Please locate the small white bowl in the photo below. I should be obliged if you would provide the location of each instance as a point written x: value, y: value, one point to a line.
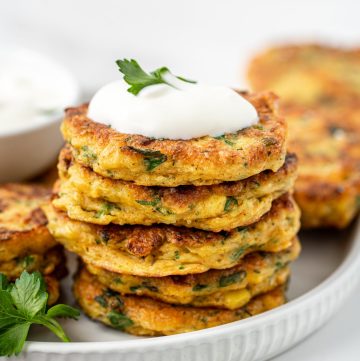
x: 30, y: 147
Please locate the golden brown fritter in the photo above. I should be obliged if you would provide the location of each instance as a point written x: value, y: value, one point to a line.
x: 146, y: 316
x: 23, y: 228
x: 320, y: 92
x: 163, y: 250
x: 50, y: 264
x: 308, y: 75
x: 163, y: 162
x: 328, y: 146
x: 88, y: 197
x: 256, y: 273
x: 45, y: 263
x: 25, y: 242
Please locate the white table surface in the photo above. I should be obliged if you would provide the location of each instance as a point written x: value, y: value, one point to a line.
x: 205, y: 40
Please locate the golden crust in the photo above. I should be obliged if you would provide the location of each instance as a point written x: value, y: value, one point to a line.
x: 164, y: 162
x: 328, y: 146
x: 145, y: 316
x: 22, y: 223
x: 162, y: 250
x: 231, y: 288
x: 89, y: 197
x: 25, y: 242
x: 308, y: 75
x: 324, y: 129
x: 45, y: 263
x: 50, y: 264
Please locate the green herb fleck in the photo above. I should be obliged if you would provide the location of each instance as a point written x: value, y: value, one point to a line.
x: 225, y: 140
x: 87, y: 153
x: 101, y: 301
x: 145, y: 285
x: 105, y: 209
x: 164, y: 211
x: 177, y: 255
x: 115, y: 295
x: 152, y: 158
x: 134, y: 288
x: 242, y: 229
x: 239, y: 252
x: 231, y: 203
x: 152, y: 203
x: 138, y: 79
x: 156, y: 203
x: 237, y: 277
x: 258, y: 126
x: 199, y: 287
x: 117, y: 280
x: 150, y: 287
x: 119, y: 320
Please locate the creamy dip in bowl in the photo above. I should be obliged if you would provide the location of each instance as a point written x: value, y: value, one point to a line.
x: 34, y: 90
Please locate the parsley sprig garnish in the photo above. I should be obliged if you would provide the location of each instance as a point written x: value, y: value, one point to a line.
x: 22, y: 304
x: 138, y: 79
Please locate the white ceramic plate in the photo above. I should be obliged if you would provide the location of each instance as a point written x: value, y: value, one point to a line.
x: 323, y: 277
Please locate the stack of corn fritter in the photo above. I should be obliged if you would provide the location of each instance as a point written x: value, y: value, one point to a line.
x: 25, y: 242
x: 177, y: 235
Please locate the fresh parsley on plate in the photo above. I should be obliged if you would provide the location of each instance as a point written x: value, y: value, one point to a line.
x: 22, y: 304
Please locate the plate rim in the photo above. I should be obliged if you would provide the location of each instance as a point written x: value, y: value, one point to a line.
x: 348, y: 267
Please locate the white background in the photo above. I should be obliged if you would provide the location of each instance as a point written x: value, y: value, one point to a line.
x: 204, y: 40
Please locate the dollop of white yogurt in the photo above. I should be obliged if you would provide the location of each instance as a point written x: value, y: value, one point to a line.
x: 182, y: 112
x: 33, y: 90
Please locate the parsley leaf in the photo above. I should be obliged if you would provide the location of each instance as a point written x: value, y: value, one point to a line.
x: 3, y: 282
x: 138, y: 79
x: 12, y: 339
x: 22, y: 304
x: 61, y: 310
x: 28, y: 294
